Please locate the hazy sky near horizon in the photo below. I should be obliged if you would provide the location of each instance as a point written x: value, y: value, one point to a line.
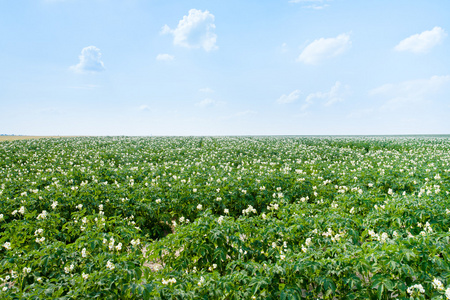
x: 257, y: 67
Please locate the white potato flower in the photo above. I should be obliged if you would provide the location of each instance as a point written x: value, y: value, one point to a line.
x: 119, y: 247
x: 135, y: 242
x: 110, y: 265
x: 42, y: 215
x: 437, y: 284
x: 447, y: 293
x: 54, y: 204
x: 201, y: 281
x: 416, y: 289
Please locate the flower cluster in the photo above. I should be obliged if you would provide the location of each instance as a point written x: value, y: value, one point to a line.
x: 308, y: 243
x: 135, y: 242
x: 69, y: 269
x: 379, y: 237
x: 211, y: 268
x: 416, y: 290
x: 100, y: 209
x: 426, y: 229
x: 54, y: 204
x: 437, y: 284
x: 111, y: 243
x: 169, y: 281
x: 201, y: 281
x: 42, y: 215
x: 7, y: 245
x: 183, y: 220
x: 110, y: 265
x: 248, y: 210
x: 273, y: 206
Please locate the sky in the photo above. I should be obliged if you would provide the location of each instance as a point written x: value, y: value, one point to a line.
x: 254, y: 67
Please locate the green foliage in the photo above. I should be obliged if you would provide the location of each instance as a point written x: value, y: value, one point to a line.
x: 225, y: 218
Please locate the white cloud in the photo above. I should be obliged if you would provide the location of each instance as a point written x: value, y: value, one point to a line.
x: 206, y: 90
x: 422, y: 42
x: 334, y: 95
x: 90, y: 61
x: 325, y: 48
x: 289, y: 98
x: 166, y: 29
x: 196, y: 30
x: 411, y: 92
x: 315, y: 4
x: 165, y: 57
x: 144, y: 107
x: 208, y: 102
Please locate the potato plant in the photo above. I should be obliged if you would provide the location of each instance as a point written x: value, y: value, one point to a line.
x: 225, y: 218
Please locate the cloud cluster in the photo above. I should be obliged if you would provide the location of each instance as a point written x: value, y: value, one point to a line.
x: 284, y: 99
x: 90, y: 61
x: 144, y: 107
x: 411, y: 92
x: 196, y: 30
x: 165, y: 57
x: 335, y: 94
x: 422, y: 42
x: 208, y: 102
x: 325, y: 48
x: 314, y: 4
x: 206, y: 90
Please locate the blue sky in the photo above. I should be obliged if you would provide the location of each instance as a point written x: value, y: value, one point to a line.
x: 258, y: 67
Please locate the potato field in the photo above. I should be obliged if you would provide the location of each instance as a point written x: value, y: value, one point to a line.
x: 225, y: 218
